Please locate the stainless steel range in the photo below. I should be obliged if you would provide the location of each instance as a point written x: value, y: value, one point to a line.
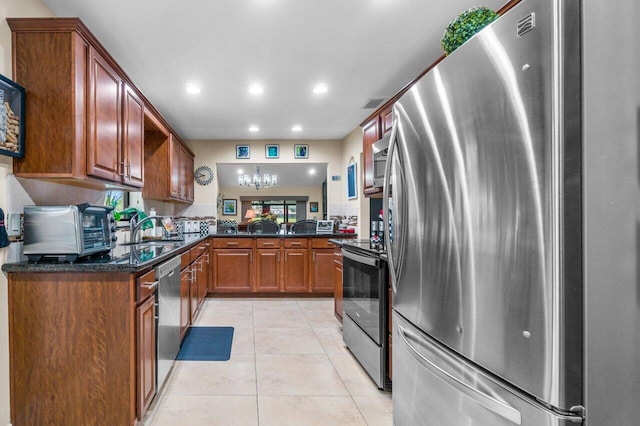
x: 365, y: 308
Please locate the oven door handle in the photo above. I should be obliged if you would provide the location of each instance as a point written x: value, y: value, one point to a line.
x: 371, y: 261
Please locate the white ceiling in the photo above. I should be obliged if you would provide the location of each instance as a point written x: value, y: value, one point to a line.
x: 361, y: 49
x: 289, y: 174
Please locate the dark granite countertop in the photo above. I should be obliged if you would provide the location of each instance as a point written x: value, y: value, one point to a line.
x: 361, y: 246
x: 122, y: 258
x: 247, y: 235
x: 137, y: 257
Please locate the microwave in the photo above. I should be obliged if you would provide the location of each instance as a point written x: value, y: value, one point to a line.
x: 379, y: 152
x: 68, y: 232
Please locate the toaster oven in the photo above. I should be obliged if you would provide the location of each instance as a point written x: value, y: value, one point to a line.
x: 68, y: 232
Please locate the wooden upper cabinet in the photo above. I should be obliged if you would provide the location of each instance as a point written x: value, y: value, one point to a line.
x: 104, y: 110
x: 168, y: 164
x: 85, y: 119
x: 386, y: 120
x: 133, y: 138
x: 370, y: 134
x: 176, y: 167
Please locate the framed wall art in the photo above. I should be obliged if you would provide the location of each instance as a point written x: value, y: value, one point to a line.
x: 12, y: 114
x: 352, y: 182
x: 272, y: 151
x: 313, y: 207
x: 243, y: 151
x: 229, y: 207
x: 301, y: 151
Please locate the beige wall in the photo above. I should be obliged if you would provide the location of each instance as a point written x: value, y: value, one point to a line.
x: 211, y: 152
x: 9, y: 8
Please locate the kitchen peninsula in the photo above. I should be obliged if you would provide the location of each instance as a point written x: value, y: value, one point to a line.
x: 82, y: 335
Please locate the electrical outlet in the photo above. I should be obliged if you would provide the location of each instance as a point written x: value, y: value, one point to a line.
x: 14, y: 224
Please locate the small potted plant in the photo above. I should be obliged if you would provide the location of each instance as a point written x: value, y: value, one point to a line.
x: 465, y: 26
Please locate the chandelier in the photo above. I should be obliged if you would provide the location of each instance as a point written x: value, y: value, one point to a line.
x: 259, y: 181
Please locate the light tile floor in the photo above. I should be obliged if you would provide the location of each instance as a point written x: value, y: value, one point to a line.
x: 288, y: 366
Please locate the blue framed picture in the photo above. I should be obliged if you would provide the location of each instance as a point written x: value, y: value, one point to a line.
x: 352, y: 182
x: 243, y: 151
x: 301, y: 151
x: 12, y: 113
x: 272, y: 151
x: 229, y: 207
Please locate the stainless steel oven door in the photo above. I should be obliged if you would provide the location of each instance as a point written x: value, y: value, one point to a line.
x: 364, y: 292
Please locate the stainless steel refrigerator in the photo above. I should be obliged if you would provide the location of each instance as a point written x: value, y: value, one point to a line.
x: 483, y: 182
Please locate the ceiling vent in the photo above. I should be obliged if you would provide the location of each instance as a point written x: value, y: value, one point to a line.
x: 373, y: 103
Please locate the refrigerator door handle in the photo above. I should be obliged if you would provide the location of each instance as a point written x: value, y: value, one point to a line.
x: 385, y: 204
x: 490, y: 403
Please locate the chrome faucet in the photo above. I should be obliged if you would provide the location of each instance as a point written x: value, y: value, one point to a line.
x: 135, y: 225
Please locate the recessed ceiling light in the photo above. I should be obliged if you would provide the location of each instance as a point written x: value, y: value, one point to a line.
x: 193, y: 89
x: 296, y: 128
x: 256, y: 89
x: 320, y: 88
x: 240, y: 171
x: 312, y: 171
x: 254, y: 129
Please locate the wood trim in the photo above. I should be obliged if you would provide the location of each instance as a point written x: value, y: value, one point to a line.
x: 508, y: 6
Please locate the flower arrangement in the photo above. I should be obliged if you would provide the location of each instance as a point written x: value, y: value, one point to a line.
x: 269, y: 216
x: 465, y: 26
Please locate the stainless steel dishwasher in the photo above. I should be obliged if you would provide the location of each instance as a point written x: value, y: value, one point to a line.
x: 168, y: 322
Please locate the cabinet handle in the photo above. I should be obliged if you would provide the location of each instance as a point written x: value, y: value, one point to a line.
x: 293, y: 243
x: 149, y: 285
x: 267, y: 244
x: 202, y: 248
x: 129, y: 169
x: 121, y: 173
x: 232, y: 243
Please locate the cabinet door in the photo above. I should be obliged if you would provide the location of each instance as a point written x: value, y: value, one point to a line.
x: 185, y: 301
x: 338, y: 297
x: 295, y: 270
x: 103, y: 142
x: 146, y: 350
x: 175, y: 166
x: 322, y: 280
x: 132, y: 138
x: 186, y: 182
x: 268, y: 269
x: 232, y: 270
x: 386, y: 120
x: 193, y: 290
x: 371, y: 133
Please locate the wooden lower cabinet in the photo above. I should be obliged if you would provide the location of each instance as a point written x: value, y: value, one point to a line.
x: 72, y: 349
x: 268, y: 267
x: 232, y: 270
x: 337, y: 274
x: 146, y: 354
x: 322, y: 278
x: 185, y: 301
x: 295, y: 270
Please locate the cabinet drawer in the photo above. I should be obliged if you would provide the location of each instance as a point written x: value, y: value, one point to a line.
x: 198, y: 250
x: 229, y: 243
x: 266, y: 243
x: 185, y: 260
x: 146, y: 285
x: 321, y: 243
x: 295, y: 243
